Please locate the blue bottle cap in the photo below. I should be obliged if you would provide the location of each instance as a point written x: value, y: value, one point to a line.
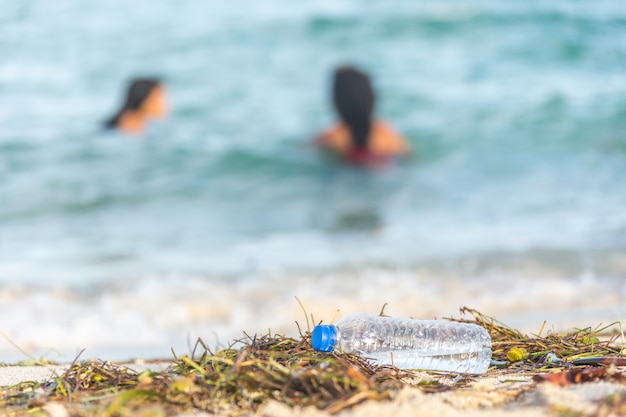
x: 324, y: 337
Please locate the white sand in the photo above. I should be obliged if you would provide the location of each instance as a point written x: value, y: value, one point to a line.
x: 11, y: 375
x: 511, y: 395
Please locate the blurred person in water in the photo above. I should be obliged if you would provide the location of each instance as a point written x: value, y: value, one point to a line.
x: 145, y: 99
x: 357, y: 138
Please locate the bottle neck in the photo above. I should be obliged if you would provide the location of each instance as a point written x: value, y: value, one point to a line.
x: 324, y: 337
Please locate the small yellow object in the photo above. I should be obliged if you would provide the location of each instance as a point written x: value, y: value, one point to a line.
x: 590, y: 340
x: 517, y: 354
x: 183, y: 385
x: 145, y: 378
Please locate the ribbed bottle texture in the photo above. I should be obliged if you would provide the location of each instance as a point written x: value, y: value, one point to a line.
x: 412, y: 344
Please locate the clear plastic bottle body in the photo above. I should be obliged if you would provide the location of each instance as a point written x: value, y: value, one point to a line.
x: 416, y: 344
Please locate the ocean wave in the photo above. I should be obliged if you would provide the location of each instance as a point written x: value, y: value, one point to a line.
x: 147, y: 316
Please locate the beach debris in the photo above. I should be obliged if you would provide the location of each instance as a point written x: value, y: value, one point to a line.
x: 579, y: 376
x: 601, y: 360
x: 408, y: 343
x: 517, y: 354
x: 551, y: 358
x: 551, y: 349
x: 498, y: 364
x: 239, y: 379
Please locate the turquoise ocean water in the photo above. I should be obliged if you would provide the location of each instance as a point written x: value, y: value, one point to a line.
x: 217, y: 217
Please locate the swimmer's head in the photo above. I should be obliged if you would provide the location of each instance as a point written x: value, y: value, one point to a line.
x: 145, y: 98
x: 354, y: 99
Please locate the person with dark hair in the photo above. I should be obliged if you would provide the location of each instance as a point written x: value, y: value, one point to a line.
x: 145, y: 99
x: 358, y: 138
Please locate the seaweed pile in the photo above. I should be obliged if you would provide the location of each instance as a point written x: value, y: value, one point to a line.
x: 237, y: 380
x: 579, y: 347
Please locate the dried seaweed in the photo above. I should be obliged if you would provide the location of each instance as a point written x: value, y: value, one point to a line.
x: 237, y: 380
x: 229, y: 381
x: 554, y: 349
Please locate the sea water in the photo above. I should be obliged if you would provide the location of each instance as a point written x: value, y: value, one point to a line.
x: 213, y: 221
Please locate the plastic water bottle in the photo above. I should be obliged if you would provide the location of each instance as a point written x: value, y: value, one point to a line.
x: 409, y: 344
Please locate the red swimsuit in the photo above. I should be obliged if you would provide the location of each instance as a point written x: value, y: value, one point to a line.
x: 365, y: 158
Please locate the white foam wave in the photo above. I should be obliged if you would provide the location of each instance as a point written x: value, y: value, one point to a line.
x: 149, y: 317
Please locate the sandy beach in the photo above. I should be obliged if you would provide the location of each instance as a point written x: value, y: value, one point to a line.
x: 188, y: 188
x: 492, y: 394
x: 487, y: 397
x: 581, y: 372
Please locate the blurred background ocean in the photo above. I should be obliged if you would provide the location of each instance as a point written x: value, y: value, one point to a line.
x: 212, y: 222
